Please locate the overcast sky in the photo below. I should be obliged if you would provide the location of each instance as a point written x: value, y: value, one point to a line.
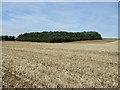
x: 21, y: 17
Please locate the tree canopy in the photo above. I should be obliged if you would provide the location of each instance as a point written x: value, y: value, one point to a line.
x: 58, y: 36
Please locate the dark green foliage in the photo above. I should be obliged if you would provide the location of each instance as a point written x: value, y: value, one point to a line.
x: 59, y: 36
x: 7, y: 38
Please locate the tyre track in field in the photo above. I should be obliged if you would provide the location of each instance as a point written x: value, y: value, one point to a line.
x: 10, y: 76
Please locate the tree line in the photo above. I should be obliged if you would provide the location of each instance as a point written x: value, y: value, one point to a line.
x: 7, y: 38
x: 58, y: 36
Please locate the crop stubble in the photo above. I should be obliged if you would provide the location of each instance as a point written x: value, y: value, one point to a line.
x: 60, y: 65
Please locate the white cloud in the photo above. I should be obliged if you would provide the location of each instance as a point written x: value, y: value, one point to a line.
x: 49, y: 16
x: 28, y: 23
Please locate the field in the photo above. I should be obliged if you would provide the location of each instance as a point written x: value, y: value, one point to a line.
x: 85, y: 64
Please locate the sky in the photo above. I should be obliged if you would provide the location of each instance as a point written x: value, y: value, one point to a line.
x: 22, y: 17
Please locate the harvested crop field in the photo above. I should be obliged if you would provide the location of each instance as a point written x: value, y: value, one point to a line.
x: 60, y: 65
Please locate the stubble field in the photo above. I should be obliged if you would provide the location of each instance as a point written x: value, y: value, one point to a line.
x: 86, y: 64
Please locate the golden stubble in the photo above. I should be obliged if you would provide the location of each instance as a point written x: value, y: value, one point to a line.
x: 60, y: 65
